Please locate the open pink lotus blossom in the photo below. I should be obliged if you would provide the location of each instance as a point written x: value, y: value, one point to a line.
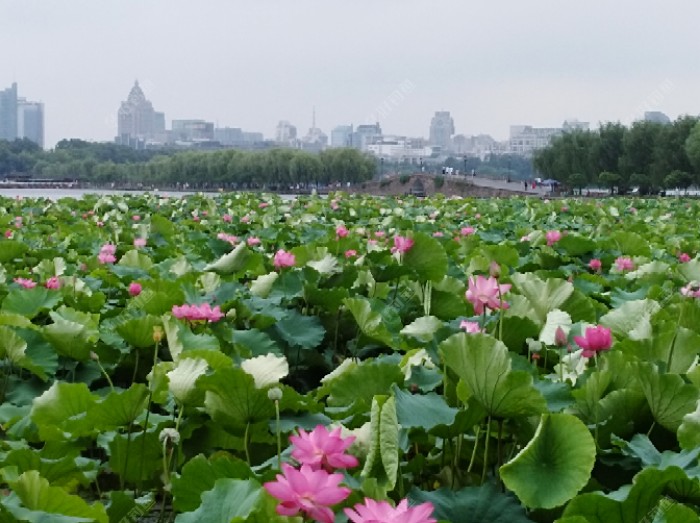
x: 136, y: 218
x: 334, y: 205
x: 106, y: 254
x: 470, y: 327
x: 8, y: 234
x: 245, y: 219
x: 624, y: 263
x: 684, y: 257
x: 595, y: 264
x: 26, y: 283
x: 203, y: 312
x: 253, y: 241
x: 309, y: 491
x: 594, y: 340
x: 322, y: 449
x: 284, y: 259
x: 438, y: 234
x: 230, y: 238
x: 135, y: 288
x: 350, y: 253
x: 53, y: 283
x: 262, y: 205
x: 467, y: 231
x: 227, y: 218
x: 402, y: 244
x: 379, y: 234
x: 139, y: 242
x: 341, y: 231
x: 486, y: 292
x: 552, y: 237
x: 382, y: 512
x: 692, y: 290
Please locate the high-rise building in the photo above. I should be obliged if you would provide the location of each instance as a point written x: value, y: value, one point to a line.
x: 8, y: 113
x: 30, y: 121
x: 286, y: 133
x: 341, y: 136
x: 366, y: 135
x: 229, y: 136
x: 315, y: 140
x: 137, y: 120
x: 442, y: 127
x: 192, y: 131
x: 656, y: 117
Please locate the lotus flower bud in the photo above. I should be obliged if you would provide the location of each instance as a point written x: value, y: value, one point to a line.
x: 560, y: 338
x: 274, y: 394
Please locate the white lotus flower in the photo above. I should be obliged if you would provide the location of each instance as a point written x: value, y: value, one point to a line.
x: 574, y: 365
x: 183, y: 377
x: 266, y: 370
x: 359, y: 447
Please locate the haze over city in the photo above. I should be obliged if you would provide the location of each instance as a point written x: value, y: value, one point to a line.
x: 251, y: 64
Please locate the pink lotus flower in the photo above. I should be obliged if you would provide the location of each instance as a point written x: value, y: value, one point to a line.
x: 230, y: 238
x: 552, y: 237
x: 438, y: 234
x: 382, y: 512
x: 341, y: 231
x: 227, y: 218
x: 284, y: 259
x: 624, y: 263
x: 402, y: 244
x: 8, y: 234
x: 53, y: 283
x: 196, y: 218
x: 100, y: 223
x: 471, y: 327
x: 595, y: 264
x: 477, y: 216
x: 467, y: 231
x: 594, y: 340
x: 136, y: 218
x: 108, y: 248
x: 139, y: 242
x: 525, y: 238
x: 26, y: 283
x: 245, y: 219
x: 486, y: 292
x: 203, y: 312
x: 322, y: 449
x: 692, y: 290
x: 135, y: 288
x: 262, y: 205
x: 350, y: 253
x: 253, y: 241
x: 684, y: 257
x: 105, y: 258
x: 379, y: 234
x: 334, y: 205
x: 309, y: 491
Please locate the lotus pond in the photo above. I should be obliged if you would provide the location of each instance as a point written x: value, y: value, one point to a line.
x: 244, y: 358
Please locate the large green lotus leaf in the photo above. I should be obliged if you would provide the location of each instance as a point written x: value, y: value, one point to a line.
x: 629, y: 243
x: 484, y: 364
x: 382, y: 461
x: 635, y: 504
x: 157, y: 302
x: 289, y: 285
x: 256, y: 342
x: 424, y: 411
x: 11, y: 249
x: 262, y: 285
x: 30, y: 302
x: 447, y: 305
x: 641, y: 447
x: 233, y: 400
x: 200, y: 474
x: 423, y: 329
x: 12, y: 346
x: 690, y: 271
x: 632, y: 319
x: 229, y: 500
x: 576, y: 245
x: 554, y: 465
x: 582, y: 308
x: 138, y: 331
x: 427, y: 258
x: 59, y: 412
x: 136, y: 260
x: 73, y: 333
x: 301, y: 331
x: 46, y: 503
x: 516, y: 330
x: 64, y: 471
x: 181, y: 338
x: 136, y: 458
x: 14, y: 320
x: 40, y: 357
x: 500, y: 253
x: 669, y: 396
x: 363, y: 382
x: 472, y: 505
x: 47, y: 268
x: 232, y: 262
x: 676, y: 347
x: 543, y: 296
x: 689, y: 430
x: 123, y: 507
x: 118, y: 408
x: 327, y: 299
x: 370, y: 320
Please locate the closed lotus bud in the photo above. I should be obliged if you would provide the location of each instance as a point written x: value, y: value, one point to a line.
x: 495, y: 270
x: 560, y: 338
x: 157, y: 333
x: 274, y: 394
x: 94, y: 356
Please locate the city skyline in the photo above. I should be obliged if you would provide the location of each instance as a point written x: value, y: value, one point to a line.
x: 250, y: 65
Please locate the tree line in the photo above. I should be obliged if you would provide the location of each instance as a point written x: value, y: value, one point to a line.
x: 102, y: 163
x: 648, y: 155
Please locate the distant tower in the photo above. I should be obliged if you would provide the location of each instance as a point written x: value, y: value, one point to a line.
x: 8, y: 113
x: 30, y: 121
x: 442, y: 128
x: 137, y: 120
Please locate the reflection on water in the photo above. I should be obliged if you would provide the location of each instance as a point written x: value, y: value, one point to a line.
x: 57, y: 194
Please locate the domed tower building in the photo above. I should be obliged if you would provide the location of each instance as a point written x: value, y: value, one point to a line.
x: 138, y: 122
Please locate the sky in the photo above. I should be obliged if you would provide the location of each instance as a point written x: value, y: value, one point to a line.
x: 252, y: 63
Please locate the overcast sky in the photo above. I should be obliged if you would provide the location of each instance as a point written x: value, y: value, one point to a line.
x: 251, y: 63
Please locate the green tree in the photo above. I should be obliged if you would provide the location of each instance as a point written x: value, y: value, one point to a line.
x: 610, y: 180
x: 692, y: 147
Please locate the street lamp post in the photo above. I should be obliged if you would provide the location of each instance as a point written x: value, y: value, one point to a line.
x: 381, y: 168
x: 465, y: 167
